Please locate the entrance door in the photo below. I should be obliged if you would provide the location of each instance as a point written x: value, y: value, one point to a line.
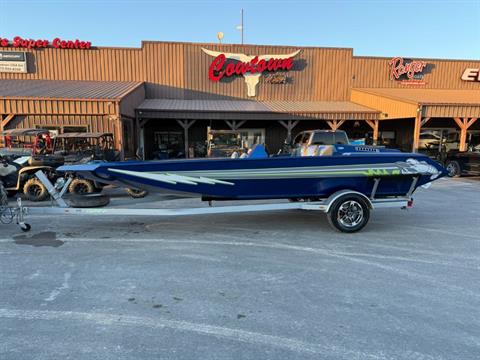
x: 169, y: 145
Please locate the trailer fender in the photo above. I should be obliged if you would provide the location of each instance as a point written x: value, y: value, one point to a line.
x: 331, y: 199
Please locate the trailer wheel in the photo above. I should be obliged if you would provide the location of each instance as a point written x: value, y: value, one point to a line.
x: 88, y: 200
x: 349, y: 213
x: 25, y: 227
x: 136, y: 193
x: 81, y: 186
x: 34, y: 190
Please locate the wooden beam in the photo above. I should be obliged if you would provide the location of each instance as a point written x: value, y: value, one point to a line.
x: 332, y: 124
x: 471, y: 122
x: 340, y: 123
x: 424, y: 121
x: 370, y: 123
x: 459, y: 122
x: 6, y: 121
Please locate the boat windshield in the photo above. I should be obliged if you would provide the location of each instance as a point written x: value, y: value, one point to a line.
x: 329, y: 138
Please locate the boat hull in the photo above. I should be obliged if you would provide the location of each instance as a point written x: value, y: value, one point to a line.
x: 271, y: 178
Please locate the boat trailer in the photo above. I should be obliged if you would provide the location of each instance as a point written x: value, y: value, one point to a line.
x: 347, y: 210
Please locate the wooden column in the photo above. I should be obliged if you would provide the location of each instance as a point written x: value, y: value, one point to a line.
x: 335, y: 124
x: 374, y: 125
x: 185, y: 124
x: 289, y: 125
x: 4, y: 122
x: 419, y: 122
x: 464, y: 124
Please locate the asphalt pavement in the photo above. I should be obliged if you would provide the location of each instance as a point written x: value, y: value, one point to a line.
x: 276, y: 285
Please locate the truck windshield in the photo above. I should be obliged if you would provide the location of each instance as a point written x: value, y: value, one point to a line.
x: 329, y: 138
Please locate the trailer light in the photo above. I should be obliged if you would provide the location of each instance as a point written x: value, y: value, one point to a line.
x: 410, y: 204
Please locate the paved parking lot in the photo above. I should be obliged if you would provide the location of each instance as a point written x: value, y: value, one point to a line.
x: 279, y: 285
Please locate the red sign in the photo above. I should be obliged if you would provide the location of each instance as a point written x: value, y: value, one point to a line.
x: 399, y: 68
x: 219, y: 68
x: 57, y: 43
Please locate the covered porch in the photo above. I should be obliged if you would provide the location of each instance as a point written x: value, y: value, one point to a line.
x: 279, y: 119
x: 425, y: 106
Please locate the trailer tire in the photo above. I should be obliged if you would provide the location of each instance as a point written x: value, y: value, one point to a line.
x: 349, y: 213
x: 88, y: 201
x: 81, y: 186
x: 136, y: 193
x: 34, y: 190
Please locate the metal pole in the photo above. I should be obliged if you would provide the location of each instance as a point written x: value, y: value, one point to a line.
x: 242, y: 26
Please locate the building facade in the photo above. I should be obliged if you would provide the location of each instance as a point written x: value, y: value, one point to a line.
x: 168, y: 95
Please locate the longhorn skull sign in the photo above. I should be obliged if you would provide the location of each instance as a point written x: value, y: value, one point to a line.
x: 250, y: 66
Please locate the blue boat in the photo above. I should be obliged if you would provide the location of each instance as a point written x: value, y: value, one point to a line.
x: 333, y: 168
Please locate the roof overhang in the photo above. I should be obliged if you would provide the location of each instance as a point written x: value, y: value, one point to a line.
x: 405, y: 103
x: 254, y: 110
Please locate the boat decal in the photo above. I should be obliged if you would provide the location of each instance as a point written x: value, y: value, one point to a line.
x: 389, y: 169
x: 170, y: 178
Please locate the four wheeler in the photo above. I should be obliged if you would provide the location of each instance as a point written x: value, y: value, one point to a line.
x: 18, y: 176
x: 86, y: 147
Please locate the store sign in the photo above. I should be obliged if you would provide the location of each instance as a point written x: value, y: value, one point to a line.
x: 57, y: 43
x: 410, y: 73
x: 471, y: 74
x: 13, y: 62
x: 251, y: 67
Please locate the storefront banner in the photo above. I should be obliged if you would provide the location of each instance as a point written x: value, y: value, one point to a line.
x: 13, y: 62
x: 250, y: 67
x: 57, y: 43
x: 408, y: 73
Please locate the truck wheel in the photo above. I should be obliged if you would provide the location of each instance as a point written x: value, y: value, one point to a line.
x: 136, y: 193
x: 88, y: 200
x: 81, y: 186
x: 349, y: 213
x: 34, y: 190
x: 453, y: 168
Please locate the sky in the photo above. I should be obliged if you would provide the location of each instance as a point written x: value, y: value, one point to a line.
x: 430, y: 29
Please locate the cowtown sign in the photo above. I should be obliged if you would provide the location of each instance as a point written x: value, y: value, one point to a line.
x: 471, y: 74
x: 57, y: 43
x: 251, y: 67
x: 409, y: 73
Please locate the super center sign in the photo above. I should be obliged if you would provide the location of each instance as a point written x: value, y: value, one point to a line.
x: 57, y: 43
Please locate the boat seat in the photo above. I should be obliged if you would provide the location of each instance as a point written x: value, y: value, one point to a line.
x: 258, y: 152
x: 318, y: 150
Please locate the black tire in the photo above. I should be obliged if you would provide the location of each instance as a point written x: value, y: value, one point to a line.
x: 25, y: 227
x: 88, y: 200
x: 349, y: 213
x: 453, y: 168
x: 34, y: 190
x: 136, y: 193
x: 81, y: 186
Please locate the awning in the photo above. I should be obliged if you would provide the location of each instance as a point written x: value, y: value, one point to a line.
x: 24, y: 97
x: 404, y: 103
x: 254, y: 110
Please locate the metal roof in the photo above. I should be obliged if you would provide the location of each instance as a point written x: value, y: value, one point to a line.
x: 66, y: 89
x: 83, y: 135
x: 428, y: 96
x: 254, y: 106
x: 24, y: 132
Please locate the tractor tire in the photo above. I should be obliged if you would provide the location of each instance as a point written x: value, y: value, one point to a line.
x: 34, y: 190
x: 81, y: 186
x: 88, y: 201
x: 136, y: 193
